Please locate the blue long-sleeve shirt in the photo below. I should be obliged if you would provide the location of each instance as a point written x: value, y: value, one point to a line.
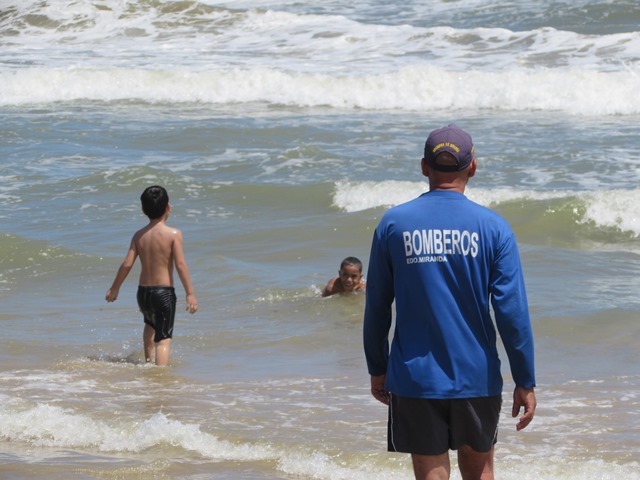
x: 446, y: 261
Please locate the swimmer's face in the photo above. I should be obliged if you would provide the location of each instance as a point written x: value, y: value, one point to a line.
x: 350, y: 277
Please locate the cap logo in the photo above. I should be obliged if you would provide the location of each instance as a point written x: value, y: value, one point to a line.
x: 446, y: 144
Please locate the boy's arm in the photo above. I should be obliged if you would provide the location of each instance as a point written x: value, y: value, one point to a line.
x: 328, y: 290
x: 183, y: 272
x: 123, y: 271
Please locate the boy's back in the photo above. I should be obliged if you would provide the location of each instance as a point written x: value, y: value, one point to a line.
x: 154, y: 245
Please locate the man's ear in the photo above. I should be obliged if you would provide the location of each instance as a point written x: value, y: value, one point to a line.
x: 425, y: 167
x: 472, y: 167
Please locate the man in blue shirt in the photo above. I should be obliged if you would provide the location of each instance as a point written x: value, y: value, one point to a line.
x: 446, y: 261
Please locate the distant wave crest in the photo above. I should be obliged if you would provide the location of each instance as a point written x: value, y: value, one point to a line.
x: 604, y: 209
x: 409, y: 89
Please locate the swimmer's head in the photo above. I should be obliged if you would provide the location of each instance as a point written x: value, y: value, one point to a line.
x: 350, y: 273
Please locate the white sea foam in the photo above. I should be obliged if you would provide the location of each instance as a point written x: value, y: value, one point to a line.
x: 604, y: 208
x: 215, y: 55
x: 128, y: 32
x: 50, y: 426
x: 410, y: 89
x: 614, y: 209
x: 356, y: 196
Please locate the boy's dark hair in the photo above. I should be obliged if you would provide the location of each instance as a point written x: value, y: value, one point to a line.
x: 154, y: 201
x: 353, y: 261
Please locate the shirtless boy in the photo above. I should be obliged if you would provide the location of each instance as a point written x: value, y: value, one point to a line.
x: 159, y: 248
x: 349, y: 278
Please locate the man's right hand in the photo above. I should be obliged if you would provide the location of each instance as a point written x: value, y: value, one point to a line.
x: 523, y: 397
x: 377, y: 389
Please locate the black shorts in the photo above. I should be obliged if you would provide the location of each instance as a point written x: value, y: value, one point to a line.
x: 158, y: 306
x: 433, y: 426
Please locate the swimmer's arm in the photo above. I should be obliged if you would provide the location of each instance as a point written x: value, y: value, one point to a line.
x: 183, y: 272
x: 329, y: 289
x: 123, y: 271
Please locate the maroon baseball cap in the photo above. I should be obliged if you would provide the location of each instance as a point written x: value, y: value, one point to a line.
x: 453, y: 140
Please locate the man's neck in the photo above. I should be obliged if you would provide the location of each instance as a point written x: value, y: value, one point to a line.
x: 448, y: 187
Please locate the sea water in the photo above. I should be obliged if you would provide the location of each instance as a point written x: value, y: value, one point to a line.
x: 283, y: 130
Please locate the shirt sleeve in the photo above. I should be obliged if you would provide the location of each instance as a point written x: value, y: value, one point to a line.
x: 378, y: 307
x: 510, y: 306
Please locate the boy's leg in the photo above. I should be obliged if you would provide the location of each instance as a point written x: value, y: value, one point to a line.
x: 148, y: 335
x: 163, y: 349
x: 431, y: 467
x: 475, y: 465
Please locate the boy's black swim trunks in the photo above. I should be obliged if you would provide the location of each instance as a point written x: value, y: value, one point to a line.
x: 158, y: 306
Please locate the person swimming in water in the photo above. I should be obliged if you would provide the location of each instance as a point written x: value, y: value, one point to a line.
x: 349, y: 278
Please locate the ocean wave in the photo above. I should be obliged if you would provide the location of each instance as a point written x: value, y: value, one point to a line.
x: 24, y: 260
x: 191, y: 53
x: 409, y: 89
x: 52, y: 426
x: 179, y: 33
x: 45, y: 425
x: 605, y: 209
x: 616, y: 209
x: 356, y: 196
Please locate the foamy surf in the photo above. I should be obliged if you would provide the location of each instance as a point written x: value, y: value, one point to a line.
x: 304, y: 42
x: 134, y: 51
x: 415, y: 88
x: 54, y: 427
x: 606, y: 209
